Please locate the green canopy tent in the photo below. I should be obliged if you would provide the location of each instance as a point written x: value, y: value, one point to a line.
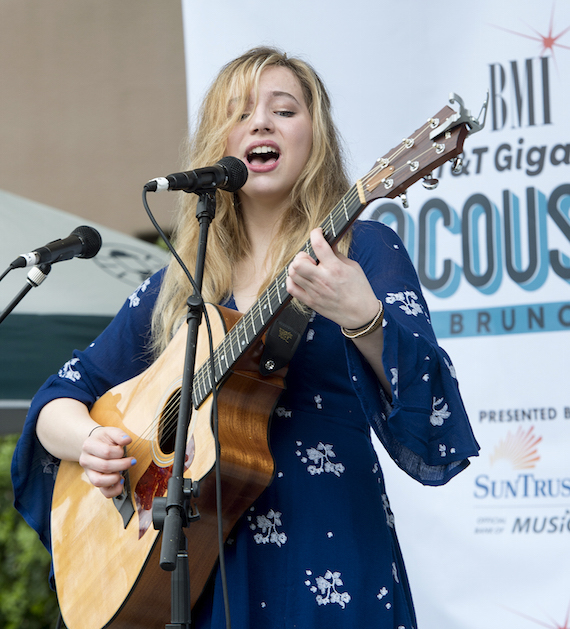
x: 69, y: 309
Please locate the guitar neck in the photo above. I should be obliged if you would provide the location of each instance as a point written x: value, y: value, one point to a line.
x: 275, y: 297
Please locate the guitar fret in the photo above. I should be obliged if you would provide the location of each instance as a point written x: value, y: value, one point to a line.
x: 260, y: 312
x: 269, y: 301
x: 234, y: 338
x: 336, y: 227
x: 249, y: 327
x: 345, y: 208
x: 244, y: 326
x: 232, y: 348
x: 333, y: 228
x: 201, y: 390
x: 259, y: 323
x: 242, y: 338
x: 252, y: 319
x: 218, y: 371
x: 204, y: 386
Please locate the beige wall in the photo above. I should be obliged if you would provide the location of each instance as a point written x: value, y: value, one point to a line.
x: 92, y: 105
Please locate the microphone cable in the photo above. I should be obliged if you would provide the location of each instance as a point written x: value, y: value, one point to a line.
x: 5, y: 273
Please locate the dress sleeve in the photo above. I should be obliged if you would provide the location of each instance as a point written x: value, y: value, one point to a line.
x: 425, y: 428
x: 119, y: 353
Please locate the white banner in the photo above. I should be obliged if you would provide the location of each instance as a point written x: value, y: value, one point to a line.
x: 491, y: 246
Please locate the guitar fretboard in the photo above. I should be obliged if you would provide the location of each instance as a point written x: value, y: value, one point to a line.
x: 275, y: 297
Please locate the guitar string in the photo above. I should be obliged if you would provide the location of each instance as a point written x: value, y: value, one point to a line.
x: 203, y: 377
x: 169, y: 413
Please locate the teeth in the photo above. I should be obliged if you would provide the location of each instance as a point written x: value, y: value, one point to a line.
x: 258, y: 150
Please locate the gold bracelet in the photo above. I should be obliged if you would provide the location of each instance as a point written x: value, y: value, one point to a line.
x: 367, y: 329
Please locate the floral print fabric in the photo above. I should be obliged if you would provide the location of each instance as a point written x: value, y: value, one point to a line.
x: 318, y: 549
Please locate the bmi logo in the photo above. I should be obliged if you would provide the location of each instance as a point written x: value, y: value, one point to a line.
x: 527, y: 82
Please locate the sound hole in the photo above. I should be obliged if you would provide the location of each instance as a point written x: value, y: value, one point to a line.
x: 167, y: 423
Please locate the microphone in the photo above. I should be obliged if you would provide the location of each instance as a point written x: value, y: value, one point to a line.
x: 83, y: 242
x: 230, y: 174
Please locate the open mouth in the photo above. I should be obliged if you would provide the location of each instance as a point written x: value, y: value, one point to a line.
x: 262, y: 155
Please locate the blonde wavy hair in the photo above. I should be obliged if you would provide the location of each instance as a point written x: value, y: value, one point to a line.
x: 320, y: 185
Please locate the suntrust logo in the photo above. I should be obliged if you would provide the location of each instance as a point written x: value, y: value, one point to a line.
x: 523, y: 488
x: 520, y: 451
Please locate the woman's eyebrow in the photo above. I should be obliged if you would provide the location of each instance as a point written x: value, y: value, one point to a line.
x: 274, y: 94
x: 278, y: 93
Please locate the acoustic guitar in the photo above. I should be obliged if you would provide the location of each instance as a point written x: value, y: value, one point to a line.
x: 105, y: 551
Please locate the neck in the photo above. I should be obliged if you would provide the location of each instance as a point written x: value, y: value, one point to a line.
x: 261, y: 223
x: 262, y: 220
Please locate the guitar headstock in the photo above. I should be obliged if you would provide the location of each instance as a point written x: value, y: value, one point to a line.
x: 438, y: 141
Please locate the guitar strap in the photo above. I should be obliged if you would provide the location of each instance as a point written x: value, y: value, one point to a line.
x: 282, y: 339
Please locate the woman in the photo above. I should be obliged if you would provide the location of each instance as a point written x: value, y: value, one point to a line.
x: 318, y: 548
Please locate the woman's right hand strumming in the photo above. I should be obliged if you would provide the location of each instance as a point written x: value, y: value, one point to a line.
x: 66, y: 430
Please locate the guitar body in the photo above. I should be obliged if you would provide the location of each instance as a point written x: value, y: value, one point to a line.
x: 108, y: 574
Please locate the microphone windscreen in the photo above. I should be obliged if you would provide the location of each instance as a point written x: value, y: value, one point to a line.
x: 91, y: 240
x: 237, y: 173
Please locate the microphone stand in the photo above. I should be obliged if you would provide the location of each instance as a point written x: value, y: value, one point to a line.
x: 173, y: 513
x: 36, y: 276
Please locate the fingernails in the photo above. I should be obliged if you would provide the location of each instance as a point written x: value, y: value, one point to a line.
x: 133, y: 461
x: 122, y: 481
x: 125, y: 437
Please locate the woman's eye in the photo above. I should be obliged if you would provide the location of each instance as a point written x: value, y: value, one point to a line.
x: 244, y: 116
x: 285, y: 113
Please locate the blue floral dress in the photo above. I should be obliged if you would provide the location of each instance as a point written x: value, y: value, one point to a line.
x: 318, y: 549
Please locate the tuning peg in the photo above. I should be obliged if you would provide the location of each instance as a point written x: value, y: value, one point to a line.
x: 439, y: 147
x: 457, y: 165
x: 414, y: 165
x: 404, y: 200
x: 430, y: 182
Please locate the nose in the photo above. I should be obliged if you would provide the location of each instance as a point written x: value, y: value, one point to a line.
x: 260, y: 120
